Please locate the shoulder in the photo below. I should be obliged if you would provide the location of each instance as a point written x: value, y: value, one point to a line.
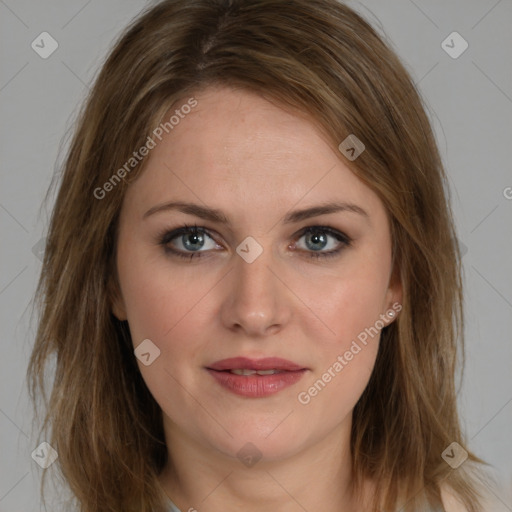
x: 489, y: 501
x: 450, y: 502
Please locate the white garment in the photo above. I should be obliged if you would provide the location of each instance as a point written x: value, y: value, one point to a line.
x: 172, y: 506
x: 491, y: 502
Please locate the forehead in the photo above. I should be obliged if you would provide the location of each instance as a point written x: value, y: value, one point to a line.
x: 235, y: 147
x: 235, y: 128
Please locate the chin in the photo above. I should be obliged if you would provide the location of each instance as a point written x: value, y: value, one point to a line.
x: 269, y: 441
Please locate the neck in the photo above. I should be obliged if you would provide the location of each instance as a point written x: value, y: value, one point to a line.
x: 317, y: 477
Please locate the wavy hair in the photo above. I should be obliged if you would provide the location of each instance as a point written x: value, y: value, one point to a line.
x: 321, y: 59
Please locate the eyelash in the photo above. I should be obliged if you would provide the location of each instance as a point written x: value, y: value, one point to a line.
x: 169, y: 235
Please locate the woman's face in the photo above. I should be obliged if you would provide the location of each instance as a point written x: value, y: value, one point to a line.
x: 255, y: 284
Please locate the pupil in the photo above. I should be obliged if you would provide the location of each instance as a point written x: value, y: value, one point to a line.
x: 316, y: 238
x: 196, y: 239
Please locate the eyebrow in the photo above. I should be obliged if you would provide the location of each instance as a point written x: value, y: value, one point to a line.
x: 215, y: 215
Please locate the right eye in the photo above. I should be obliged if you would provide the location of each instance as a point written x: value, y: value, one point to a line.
x: 191, y: 238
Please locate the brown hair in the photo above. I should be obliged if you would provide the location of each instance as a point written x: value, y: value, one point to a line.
x: 322, y: 59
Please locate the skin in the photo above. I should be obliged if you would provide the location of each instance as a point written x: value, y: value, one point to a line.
x: 256, y: 162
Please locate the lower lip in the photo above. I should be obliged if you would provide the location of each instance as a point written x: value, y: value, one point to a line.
x: 256, y: 386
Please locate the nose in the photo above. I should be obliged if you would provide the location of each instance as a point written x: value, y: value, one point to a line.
x: 257, y: 301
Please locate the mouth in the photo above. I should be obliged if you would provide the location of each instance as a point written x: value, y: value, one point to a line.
x: 255, y: 378
x: 240, y: 371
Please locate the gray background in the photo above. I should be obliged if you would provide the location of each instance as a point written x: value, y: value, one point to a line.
x: 470, y: 103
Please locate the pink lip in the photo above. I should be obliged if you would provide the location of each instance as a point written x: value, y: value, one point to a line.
x: 256, y: 386
x: 266, y: 363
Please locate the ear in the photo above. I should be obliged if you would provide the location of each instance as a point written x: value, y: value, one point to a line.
x: 116, y: 300
x: 118, y: 309
x: 394, y: 292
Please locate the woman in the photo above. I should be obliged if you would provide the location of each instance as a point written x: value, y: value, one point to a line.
x: 251, y: 280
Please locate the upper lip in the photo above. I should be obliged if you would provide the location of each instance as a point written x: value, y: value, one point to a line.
x: 244, y: 363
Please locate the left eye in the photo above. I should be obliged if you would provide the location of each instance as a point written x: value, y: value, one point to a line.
x: 192, y: 240
x: 317, y: 239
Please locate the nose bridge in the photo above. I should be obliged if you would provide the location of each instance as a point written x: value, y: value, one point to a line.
x: 256, y: 299
x: 253, y: 278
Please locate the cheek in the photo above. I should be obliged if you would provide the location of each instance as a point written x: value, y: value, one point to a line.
x: 334, y: 306
x: 157, y: 298
x: 344, y: 361
x: 350, y: 307
x: 347, y: 302
x: 166, y: 308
